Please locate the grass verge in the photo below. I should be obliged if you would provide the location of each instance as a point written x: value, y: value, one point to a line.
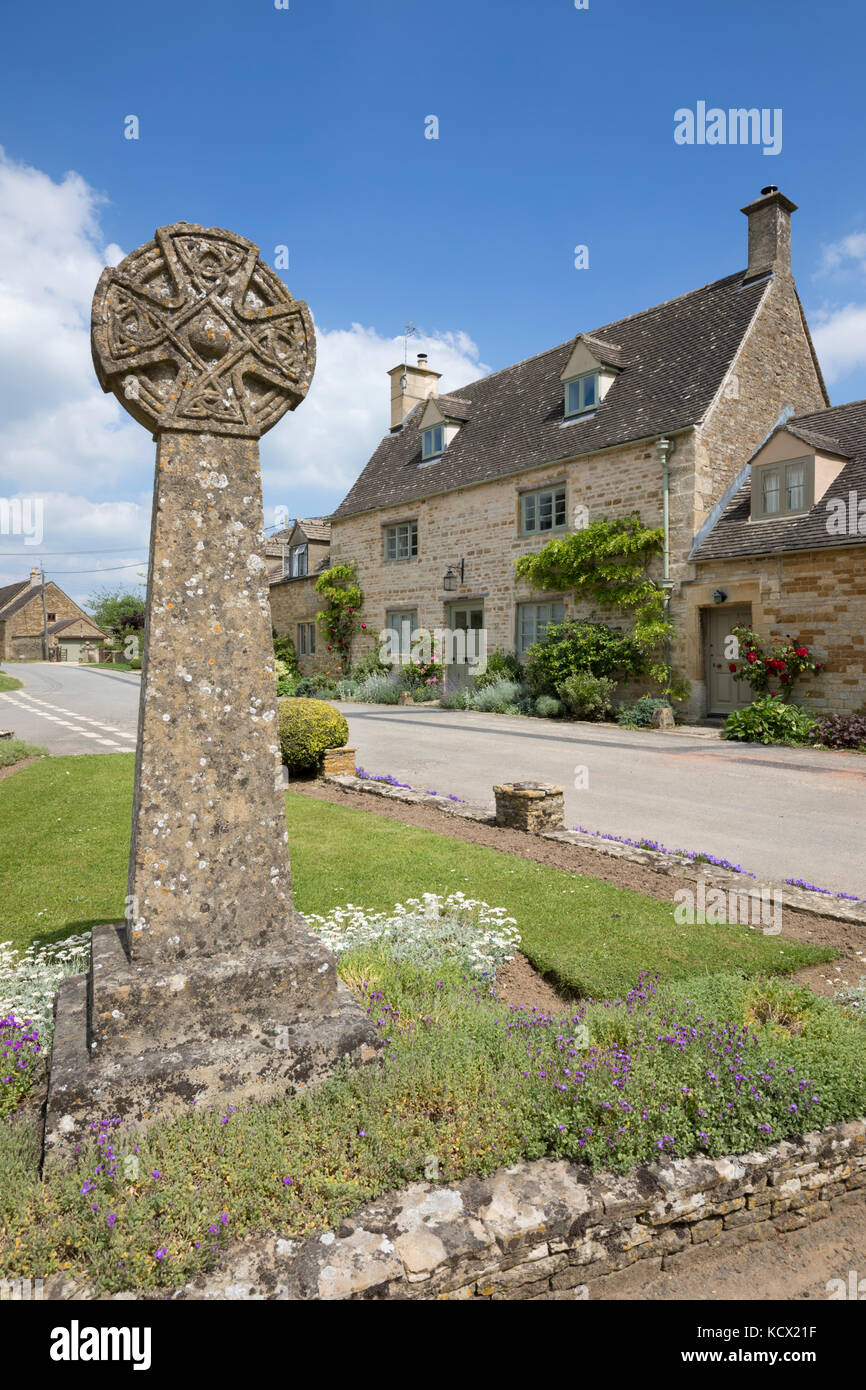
x: 64, y: 841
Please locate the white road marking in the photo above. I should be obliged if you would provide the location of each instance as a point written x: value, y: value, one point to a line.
x: 120, y: 744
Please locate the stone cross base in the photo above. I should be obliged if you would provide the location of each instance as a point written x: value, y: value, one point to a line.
x: 143, y: 1045
x: 530, y: 806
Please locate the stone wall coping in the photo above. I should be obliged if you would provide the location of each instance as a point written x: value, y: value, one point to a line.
x: 675, y: 865
x: 547, y: 1228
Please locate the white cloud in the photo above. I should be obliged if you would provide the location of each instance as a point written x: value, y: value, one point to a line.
x: 64, y: 441
x: 846, y: 254
x: 327, y: 441
x: 840, y: 340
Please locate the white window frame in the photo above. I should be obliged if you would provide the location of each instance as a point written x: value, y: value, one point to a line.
x: 538, y: 625
x: 428, y: 437
x: 396, y: 532
x: 583, y: 407
x: 534, y: 496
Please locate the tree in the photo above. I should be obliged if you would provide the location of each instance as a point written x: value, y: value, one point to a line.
x: 607, y: 563
x: 340, y: 619
x: 118, y: 611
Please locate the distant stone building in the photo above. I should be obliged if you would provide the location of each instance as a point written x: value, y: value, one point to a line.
x: 296, y: 557
x: 23, y: 620
x: 660, y: 412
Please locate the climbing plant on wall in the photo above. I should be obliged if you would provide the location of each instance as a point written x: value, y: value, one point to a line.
x: 340, y: 619
x: 607, y: 563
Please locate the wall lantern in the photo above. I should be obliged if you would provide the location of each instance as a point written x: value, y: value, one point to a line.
x: 719, y: 596
x: 450, y: 582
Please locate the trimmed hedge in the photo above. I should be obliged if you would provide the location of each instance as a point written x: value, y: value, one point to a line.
x: 307, y: 727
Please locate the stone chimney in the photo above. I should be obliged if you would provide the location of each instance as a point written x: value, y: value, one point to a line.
x: 35, y: 578
x: 769, y: 232
x: 409, y: 385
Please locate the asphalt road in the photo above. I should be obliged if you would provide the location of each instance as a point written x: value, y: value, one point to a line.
x: 72, y: 708
x: 779, y: 812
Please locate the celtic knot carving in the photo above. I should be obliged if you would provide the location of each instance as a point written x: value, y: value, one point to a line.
x: 193, y: 332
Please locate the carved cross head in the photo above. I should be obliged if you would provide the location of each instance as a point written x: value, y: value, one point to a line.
x: 193, y: 332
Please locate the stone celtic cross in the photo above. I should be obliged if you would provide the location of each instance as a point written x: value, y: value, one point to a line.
x: 212, y: 987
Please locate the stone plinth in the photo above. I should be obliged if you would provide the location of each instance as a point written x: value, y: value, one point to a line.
x: 339, y: 761
x: 212, y: 989
x: 530, y: 806
x: 662, y: 718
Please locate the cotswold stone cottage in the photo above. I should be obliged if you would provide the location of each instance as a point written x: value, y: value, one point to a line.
x: 24, y: 619
x: 659, y: 413
x: 785, y: 551
x: 295, y: 559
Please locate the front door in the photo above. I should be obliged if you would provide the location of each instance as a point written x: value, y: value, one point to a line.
x: 724, y: 694
x: 468, y: 618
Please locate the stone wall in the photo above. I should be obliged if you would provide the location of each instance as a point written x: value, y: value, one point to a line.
x: 481, y: 525
x: 550, y: 1229
x: 817, y: 596
x: 295, y: 601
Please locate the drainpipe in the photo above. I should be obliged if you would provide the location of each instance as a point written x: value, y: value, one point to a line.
x: 665, y: 448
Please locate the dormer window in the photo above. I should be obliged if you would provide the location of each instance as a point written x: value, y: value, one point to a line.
x: 432, y: 442
x: 581, y: 394
x: 783, y: 489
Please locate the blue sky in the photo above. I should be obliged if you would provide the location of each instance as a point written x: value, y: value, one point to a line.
x: 305, y: 127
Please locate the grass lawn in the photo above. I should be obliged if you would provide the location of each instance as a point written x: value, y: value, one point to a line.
x: 64, y: 838
x: 9, y: 682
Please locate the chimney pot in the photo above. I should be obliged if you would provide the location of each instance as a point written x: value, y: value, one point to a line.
x: 35, y: 578
x: 422, y: 359
x: 769, y: 232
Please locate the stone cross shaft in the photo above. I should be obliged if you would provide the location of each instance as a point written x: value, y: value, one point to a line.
x: 212, y: 990
x: 201, y: 342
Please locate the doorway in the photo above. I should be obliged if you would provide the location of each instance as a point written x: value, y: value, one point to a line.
x: 724, y: 694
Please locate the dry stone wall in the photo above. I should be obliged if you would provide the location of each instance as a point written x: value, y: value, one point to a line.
x: 549, y: 1230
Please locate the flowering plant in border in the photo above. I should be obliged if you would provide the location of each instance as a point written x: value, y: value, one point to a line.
x: 426, y: 931
x: 774, y: 669
x: 20, y: 1061
x: 29, y: 979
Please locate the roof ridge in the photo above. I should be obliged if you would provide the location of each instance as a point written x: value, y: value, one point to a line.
x: 597, y: 332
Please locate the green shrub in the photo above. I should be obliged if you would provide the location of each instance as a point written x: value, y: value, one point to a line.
x: 379, y: 690
x: 369, y: 665
x: 500, y: 665
x: 307, y: 728
x: 641, y: 712
x: 578, y: 646
x: 586, y: 696
x: 284, y: 650
x: 548, y: 707
x: 456, y: 699
x: 134, y: 663
x: 500, y: 697
x: 770, y: 720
